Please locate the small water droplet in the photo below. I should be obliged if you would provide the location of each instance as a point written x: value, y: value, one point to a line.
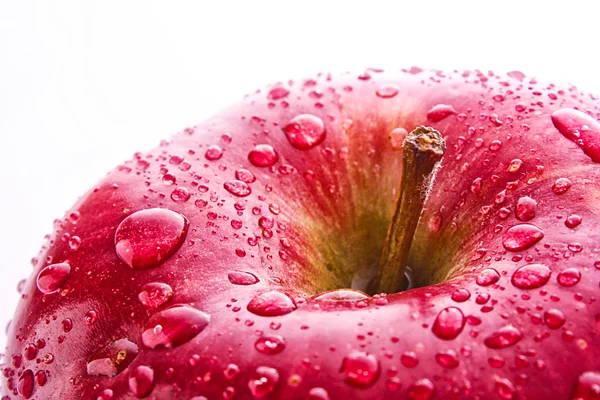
x: 573, y: 221
x: 169, y: 179
x: 317, y: 394
x: 440, y: 112
x: 460, y: 295
x: 237, y: 188
x: 213, y: 153
x: 569, y: 277
x: 554, y: 318
x: 409, y: 359
x: 526, y: 208
x: 504, y: 337
x: 423, y: 389
x: 341, y: 295
x: 449, y: 323
x: 178, y: 325
x: 531, y: 276
x: 41, y: 378
x: 387, y: 91
x: 360, y: 369
x: 305, y: 131
x: 244, y: 175
x: 141, y: 381
x: 561, y: 185
x: 180, y: 194
x: 580, y: 128
x: 270, y: 344
x: 447, y: 359
x: 271, y: 304
x: 242, y: 278
x: 587, y: 386
x: 30, y: 351
x: 25, y: 384
x: 147, y: 238
x: 277, y: 93
x: 263, y: 155
x: 67, y: 325
x: 487, y: 277
x: 505, y: 389
x: 53, y: 277
x: 495, y: 145
x: 263, y: 381
x: 521, y: 237
x: 155, y: 294
x: 90, y: 317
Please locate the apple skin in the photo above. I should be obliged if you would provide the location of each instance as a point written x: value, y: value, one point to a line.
x: 330, y: 206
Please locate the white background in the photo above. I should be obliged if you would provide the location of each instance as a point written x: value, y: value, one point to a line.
x: 85, y: 84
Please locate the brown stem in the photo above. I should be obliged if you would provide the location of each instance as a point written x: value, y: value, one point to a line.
x: 423, y: 148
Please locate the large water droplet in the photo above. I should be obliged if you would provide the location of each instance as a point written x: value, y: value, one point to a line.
x: 505, y: 389
x: 423, y: 389
x: 439, y: 112
x: 237, y: 188
x: 521, y: 237
x: 561, y: 186
x: 270, y: 344
x: 213, y: 153
x: 305, y: 131
x: 271, y: 304
x: 341, y: 295
x: 174, y: 326
x: 580, y: 128
x: 317, y: 394
x: 447, y: 359
x: 531, y: 276
x: 460, y: 295
x: 147, y: 238
x: 244, y: 175
x: 504, y: 337
x: 242, y: 278
x: 141, y: 381
x: 449, y: 323
x: 25, y: 384
x: 277, y: 93
x: 263, y: 155
x: 569, y: 277
x: 263, y: 381
x: 387, y: 91
x: 587, y: 386
x: 155, y: 294
x: 360, y: 369
x: 573, y: 221
x: 53, y: 277
x: 526, y: 207
x: 487, y: 277
x: 554, y: 318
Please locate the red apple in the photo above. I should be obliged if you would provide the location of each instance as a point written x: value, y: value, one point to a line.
x: 219, y: 265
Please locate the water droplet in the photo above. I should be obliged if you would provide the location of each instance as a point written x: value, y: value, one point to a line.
x: 169, y: 179
x: 561, y: 185
x: 526, y: 208
x: 504, y: 337
x: 305, y: 131
x: 360, y: 369
x: 180, y: 195
x: 460, y: 295
x: 573, y: 221
x: 74, y: 242
x: 505, y: 389
x: 439, y: 112
x: 67, y: 325
x: 580, y: 128
x: 515, y: 165
x: 423, y: 389
x: 521, y: 237
x: 90, y: 317
x: 141, y: 381
x: 341, y: 295
x: 447, y: 359
x: 237, y: 188
x: 25, y: 384
x: 271, y: 304
x: 213, y: 153
x: 278, y: 93
x: 387, y: 91
x: 409, y: 359
x: 147, y: 238
x: 554, y: 318
x: 155, y: 294
x: 317, y: 394
x: 53, y: 277
x: 531, y: 276
x: 30, y: 351
x: 242, y: 278
x: 449, y: 323
x: 568, y: 277
x: 263, y: 382
x: 495, y: 145
x: 41, y: 378
x: 263, y: 155
x: 244, y: 175
x: 487, y: 277
x: 174, y: 326
x: 587, y: 386
x: 270, y: 344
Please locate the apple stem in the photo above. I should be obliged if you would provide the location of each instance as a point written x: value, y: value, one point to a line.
x: 423, y: 149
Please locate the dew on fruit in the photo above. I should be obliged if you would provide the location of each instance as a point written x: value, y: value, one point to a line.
x: 237, y: 188
x: 487, y: 277
x: 141, y: 381
x: 440, y: 112
x: 174, y: 326
x: 277, y: 93
x: 270, y: 344
x: 554, y: 318
x: 271, y: 304
x: 505, y: 389
x: 531, y: 276
x: 52, y: 278
x: 317, y: 394
x: 387, y: 91
x: 422, y: 389
x: 30, y: 351
x: 341, y: 295
x: 580, y: 128
x: 147, y: 238
x: 568, y: 277
x: 305, y: 131
x: 25, y: 384
x: 461, y: 295
x: 90, y: 317
x: 263, y: 155
x: 231, y: 371
x: 449, y: 323
x: 213, y: 153
x: 573, y: 221
x: 155, y: 294
x: 244, y: 175
x: 526, y: 208
x: 587, y: 386
x: 504, y: 337
x: 360, y: 369
x: 447, y: 359
x: 521, y: 237
x: 263, y: 381
x: 169, y: 179
x: 41, y: 378
x: 562, y: 186
x: 409, y: 359
x: 242, y: 278
x: 180, y: 195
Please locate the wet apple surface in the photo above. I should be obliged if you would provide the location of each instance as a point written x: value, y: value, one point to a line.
x: 231, y: 261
